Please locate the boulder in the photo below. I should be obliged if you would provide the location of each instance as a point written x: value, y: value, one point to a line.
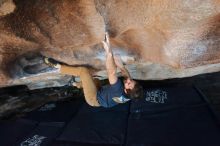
x: 157, y: 39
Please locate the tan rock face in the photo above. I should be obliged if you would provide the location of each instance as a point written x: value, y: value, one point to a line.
x: 157, y: 39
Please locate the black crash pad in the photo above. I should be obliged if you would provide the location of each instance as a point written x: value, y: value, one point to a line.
x: 98, y: 125
x: 181, y: 118
x: 12, y: 131
x: 166, y: 116
x: 166, y: 98
x: 42, y: 135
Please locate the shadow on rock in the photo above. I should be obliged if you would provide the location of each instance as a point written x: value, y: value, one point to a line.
x: 29, y: 64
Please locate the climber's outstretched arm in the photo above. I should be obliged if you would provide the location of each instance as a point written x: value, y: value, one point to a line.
x: 110, y: 63
x: 120, y: 65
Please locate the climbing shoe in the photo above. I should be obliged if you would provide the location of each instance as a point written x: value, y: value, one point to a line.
x: 51, y: 62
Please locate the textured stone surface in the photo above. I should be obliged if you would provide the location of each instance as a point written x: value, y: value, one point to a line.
x: 16, y: 101
x: 157, y: 39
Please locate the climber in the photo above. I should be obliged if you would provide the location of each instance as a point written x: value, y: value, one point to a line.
x: 117, y: 91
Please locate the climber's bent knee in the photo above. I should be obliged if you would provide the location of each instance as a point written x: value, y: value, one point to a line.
x: 92, y: 101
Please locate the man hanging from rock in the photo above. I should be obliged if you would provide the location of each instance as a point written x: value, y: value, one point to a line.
x: 117, y: 91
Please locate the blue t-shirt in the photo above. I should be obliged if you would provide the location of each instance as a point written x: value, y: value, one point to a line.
x: 111, y: 95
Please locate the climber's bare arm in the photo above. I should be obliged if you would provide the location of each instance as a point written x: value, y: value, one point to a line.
x: 110, y: 63
x: 121, y: 66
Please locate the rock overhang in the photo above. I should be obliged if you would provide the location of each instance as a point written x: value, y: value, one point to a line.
x: 156, y: 39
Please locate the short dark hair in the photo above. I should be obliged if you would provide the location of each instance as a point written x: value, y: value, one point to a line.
x: 137, y: 92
